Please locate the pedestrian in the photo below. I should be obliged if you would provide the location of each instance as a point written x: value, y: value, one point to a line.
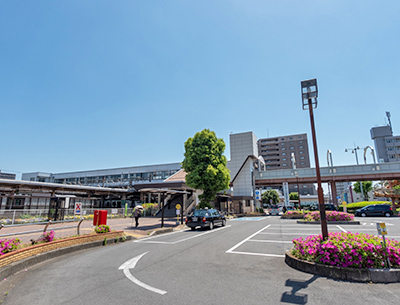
x: 137, y: 214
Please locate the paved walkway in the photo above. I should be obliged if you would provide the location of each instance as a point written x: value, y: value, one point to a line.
x: 146, y: 226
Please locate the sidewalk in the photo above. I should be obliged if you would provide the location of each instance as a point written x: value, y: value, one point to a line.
x: 146, y: 226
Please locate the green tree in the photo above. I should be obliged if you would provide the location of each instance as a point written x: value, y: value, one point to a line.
x: 269, y: 195
x: 205, y: 165
x: 294, y: 196
x: 366, y: 186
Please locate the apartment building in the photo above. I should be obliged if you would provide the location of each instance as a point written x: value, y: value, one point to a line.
x: 387, y: 146
x: 286, y: 152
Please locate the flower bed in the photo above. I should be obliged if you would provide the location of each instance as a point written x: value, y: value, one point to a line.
x: 345, y: 249
x: 296, y: 214
x: 330, y: 216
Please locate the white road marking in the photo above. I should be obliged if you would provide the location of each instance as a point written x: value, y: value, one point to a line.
x: 177, y: 241
x: 130, y: 264
x: 258, y: 254
x: 341, y: 228
x: 246, y: 239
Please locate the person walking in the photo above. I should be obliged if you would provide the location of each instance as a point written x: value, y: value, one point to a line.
x: 137, y: 214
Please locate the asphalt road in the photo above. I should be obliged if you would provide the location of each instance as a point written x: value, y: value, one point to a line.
x: 242, y: 263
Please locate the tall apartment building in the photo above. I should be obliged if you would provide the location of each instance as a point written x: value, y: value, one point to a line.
x: 387, y: 146
x: 277, y: 154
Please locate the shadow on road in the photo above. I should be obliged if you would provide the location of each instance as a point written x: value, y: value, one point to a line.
x: 293, y: 296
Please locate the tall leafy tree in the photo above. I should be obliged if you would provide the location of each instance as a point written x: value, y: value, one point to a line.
x: 270, y: 196
x: 366, y: 187
x: 205, y: 165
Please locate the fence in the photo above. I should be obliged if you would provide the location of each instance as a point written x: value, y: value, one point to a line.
x: 46, y: 225
x: 12, y: 217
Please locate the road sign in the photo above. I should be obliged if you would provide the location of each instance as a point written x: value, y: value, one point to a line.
x: 344, y: 203
x: 257, y: 193
x: 78, y: 208
x: 381, y: 227
x: 178, y: 206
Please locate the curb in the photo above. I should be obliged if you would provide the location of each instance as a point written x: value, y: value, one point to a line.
x: 22, y: 264
x: 329, y: 222
x: 341, y: 273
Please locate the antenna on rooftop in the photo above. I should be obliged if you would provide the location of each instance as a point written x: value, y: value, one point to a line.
x: 390, y: 123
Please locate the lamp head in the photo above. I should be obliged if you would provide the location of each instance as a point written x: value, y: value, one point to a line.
x: 309, y: 92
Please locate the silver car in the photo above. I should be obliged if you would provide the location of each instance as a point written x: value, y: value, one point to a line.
x: 274, y: 210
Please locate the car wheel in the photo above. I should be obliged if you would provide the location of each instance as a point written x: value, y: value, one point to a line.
x: 387, y: 214
x: 363, y: 214
x: 211, y: 225
x: 223, y: 222
x: 192, y: 228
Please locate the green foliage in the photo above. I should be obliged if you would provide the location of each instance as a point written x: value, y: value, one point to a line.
x: 294, y: 196
x: 366, y: 185
x: 25, y: 216
x: 268, y: 195
x: 205, y: 165
x: 352, y: 207
x: 102, y: 229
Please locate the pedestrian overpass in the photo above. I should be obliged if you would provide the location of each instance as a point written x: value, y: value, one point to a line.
x: 330, y: 174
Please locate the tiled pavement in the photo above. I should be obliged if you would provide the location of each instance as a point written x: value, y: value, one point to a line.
x: 146, y: 226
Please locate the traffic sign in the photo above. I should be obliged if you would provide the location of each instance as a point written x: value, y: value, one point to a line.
x: 381, y: 227
x: 78, y: 208
x: 178, y: 206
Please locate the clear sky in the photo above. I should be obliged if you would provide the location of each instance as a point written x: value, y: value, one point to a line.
x: 103, y: 84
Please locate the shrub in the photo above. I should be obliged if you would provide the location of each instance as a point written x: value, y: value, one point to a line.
x: 346, y: 249
x: 358, y: 205
x: 294, y: 212
x: 102, y: 229
x: 46, y: 237
x: 330, y: 216
x: 8, y: 245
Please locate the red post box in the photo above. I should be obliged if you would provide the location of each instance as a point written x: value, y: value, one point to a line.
x: 100, y: 217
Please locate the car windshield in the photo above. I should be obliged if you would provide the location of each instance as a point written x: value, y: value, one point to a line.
x: 274, y: 206
x: 200, y: 213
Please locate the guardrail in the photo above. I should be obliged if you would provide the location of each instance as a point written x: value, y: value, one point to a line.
x: 46, y: 224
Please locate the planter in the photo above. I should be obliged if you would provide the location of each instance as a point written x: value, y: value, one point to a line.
x: 34, y: 250
x: 341, y: 273
x: 341, y: 222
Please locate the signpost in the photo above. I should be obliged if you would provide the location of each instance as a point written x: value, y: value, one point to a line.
x: 382, y: 230
x: 344, y: 206
x: 286, y: 193
x: 78, y: 208
x: 178, y: 212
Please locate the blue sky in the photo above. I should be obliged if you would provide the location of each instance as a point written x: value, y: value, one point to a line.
x: 102, y: 84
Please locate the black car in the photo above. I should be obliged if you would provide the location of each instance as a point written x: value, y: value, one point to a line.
x: 328, y: 207
x: 205, y: 218
x: 375, y: 210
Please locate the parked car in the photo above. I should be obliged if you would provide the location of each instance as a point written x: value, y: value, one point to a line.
x: 205, y: 218
x: 328, y: 207
x: 274, y: 210
x: 375, y: 210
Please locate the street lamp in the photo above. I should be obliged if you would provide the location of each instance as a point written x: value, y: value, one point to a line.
x: 309, y: 94
x: 354, y: 151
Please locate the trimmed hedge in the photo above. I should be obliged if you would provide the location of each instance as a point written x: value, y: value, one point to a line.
x: 352, y: 207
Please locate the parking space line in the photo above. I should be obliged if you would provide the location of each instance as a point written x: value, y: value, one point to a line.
x: 246, y: 239
x: 341, y: 228
x: 177, y: 241
x: 257, y: 254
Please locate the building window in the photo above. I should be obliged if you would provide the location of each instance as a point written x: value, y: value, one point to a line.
x: 284, y: 159
x: 300, y: 146
x: 302, y: 163
x: 291, y: 147
x: 290, y: 138
x: 301, y: 152
x: 300, y: 142
x: 283, y: 148
x: 302, y: 158
x: 282, y: 143
x: 284, y: 164
x: 283, y: 139
x: 283, y: 154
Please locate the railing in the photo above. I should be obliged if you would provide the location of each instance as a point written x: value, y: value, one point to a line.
x: 46, y: 224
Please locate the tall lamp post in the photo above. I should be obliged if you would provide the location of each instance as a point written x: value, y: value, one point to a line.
x: 354, y: 151
x: 309, y: 94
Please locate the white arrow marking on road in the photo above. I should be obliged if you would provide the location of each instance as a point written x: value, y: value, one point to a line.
x: 130, y: 265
